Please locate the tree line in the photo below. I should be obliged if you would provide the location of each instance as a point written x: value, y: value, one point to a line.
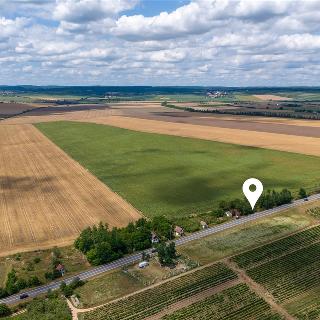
x: 14, y: 284
x: 102, y: 245
x: 268, y: 200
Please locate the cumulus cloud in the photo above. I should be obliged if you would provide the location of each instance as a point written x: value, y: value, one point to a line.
x: 197, y: 17
x: 83, y: 11
x: 209, y: 42
x: 10, y: 27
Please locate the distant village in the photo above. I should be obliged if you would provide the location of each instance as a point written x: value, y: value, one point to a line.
x: 216, y: 94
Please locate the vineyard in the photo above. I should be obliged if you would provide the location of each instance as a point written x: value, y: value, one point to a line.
x: 153, y: 300
x: 306, y: 308
x: 278, y: 248
x: 289, y: 269
x: 234, y: 303
x: 314, y: 212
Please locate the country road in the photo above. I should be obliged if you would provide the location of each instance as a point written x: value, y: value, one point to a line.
x: 137, y: 256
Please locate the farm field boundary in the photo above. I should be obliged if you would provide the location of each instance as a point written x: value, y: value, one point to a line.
x: 153, y: 300
x: 46, y: 198
x: 138, y: 166
x: 282, y: 142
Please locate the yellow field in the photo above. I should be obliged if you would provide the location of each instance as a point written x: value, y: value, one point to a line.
x: 266, y: 97
x: 270, y: 120
x: 275, y: 141
x: 46, y: 198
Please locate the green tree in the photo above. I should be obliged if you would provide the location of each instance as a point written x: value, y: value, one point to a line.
x: 162, y: 227
x: 302, y: 193
x: 4, y: 310
x: 34, y: 281
x: 166, y: 253
x: 11, y: 287
x: 3, y: 293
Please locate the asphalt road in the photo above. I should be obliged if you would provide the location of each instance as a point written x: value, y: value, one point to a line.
x: 137, y: 256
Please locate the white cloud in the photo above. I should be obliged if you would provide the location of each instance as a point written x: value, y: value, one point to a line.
x: 236, y: 42
x: 9, y: 27
x: 83, y: 11
x: 300, y: 41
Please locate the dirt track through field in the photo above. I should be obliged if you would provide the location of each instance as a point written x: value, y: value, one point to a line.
x: 46, y: 198
x: 282, y: 142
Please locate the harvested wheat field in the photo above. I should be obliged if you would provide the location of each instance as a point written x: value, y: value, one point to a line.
x: 282, y: 142
x: 46, y: 198
x: 270, y: 97
x: 267, y: 120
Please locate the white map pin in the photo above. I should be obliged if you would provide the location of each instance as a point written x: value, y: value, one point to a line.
x: 252, y: 196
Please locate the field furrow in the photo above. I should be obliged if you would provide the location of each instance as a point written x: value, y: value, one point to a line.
x: 47, y: 198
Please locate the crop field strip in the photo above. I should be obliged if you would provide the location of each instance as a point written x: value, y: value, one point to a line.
x: 235, y: 303
x: 122, y: 117
x: 289, y: 269
x: 267, y: 140
x: 138, y: 166
x: 290, y: 275
x: 309, y: 310
x: 278, y: 248
x: 46, y: 198
x: 151, y: 301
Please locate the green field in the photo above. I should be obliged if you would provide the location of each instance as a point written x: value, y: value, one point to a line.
x: 175, y: 176
x: 107, y: 287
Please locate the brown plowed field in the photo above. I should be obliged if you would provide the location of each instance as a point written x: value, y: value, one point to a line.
x: 283, y: 142
x: 294, y: 135
x: 8, y: 109
x: 46, y: 198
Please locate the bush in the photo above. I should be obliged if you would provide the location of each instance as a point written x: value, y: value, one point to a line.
x: 3, y: 293
x: 302, y: 193
x: 67, y: 290
x: 4, y: 310
x: 33, y: 281
x: 36, y: 260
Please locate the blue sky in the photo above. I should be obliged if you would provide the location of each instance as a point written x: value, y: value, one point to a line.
x: 151, y: 8
x: 153, y: 42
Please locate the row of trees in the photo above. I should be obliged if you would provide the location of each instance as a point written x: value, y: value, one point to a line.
x: 281, y: 114
x: 268, y: 200
x: 14, y: 284
x: 102, y: 245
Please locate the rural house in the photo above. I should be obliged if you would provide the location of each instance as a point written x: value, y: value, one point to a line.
x: 203, y: 225
x: 178, y: 231
x: 61, y: 269
x: 228, y: 214
x: 154, y: 238
x: 235, y: 213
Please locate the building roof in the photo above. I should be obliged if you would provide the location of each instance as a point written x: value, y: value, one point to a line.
x: 178, y: 229
x: 60, y: 267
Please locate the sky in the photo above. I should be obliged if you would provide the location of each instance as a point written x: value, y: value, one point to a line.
x: 160, y: 42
